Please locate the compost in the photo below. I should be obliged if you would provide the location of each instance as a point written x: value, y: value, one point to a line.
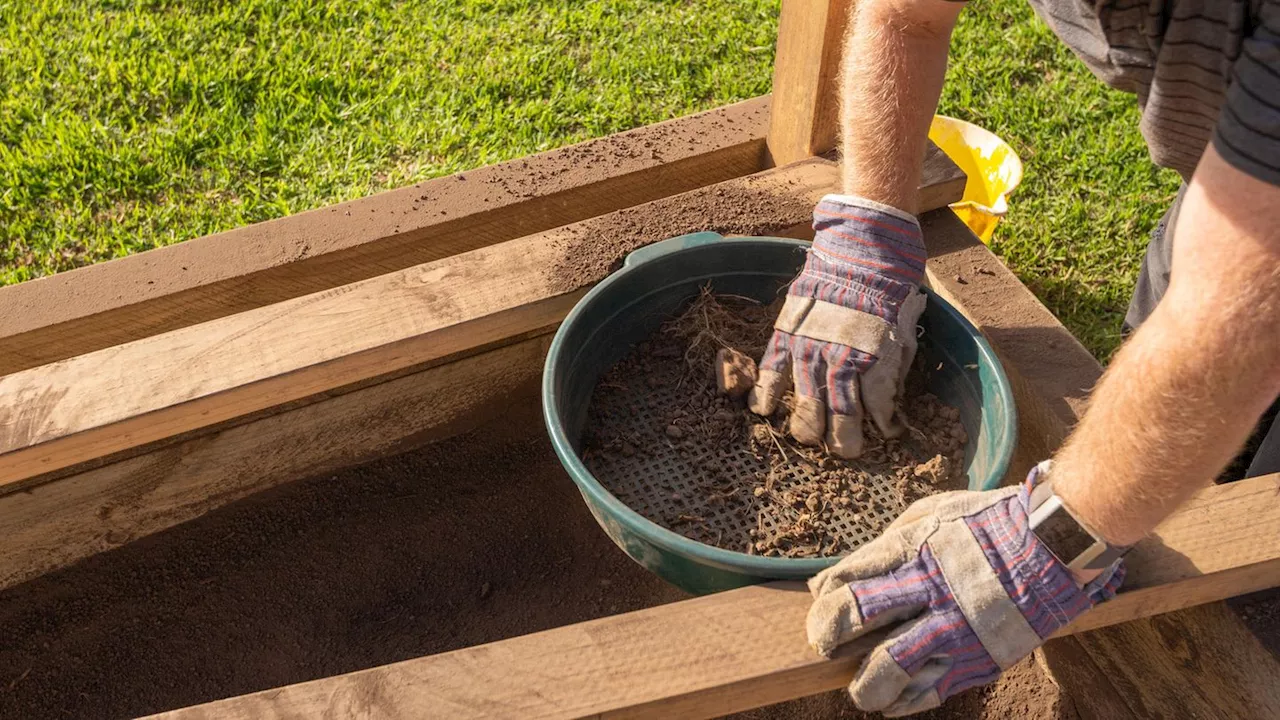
x: 673, y: 443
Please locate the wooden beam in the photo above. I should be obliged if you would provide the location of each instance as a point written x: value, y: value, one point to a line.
x: 732, y: 651
x: 804, y: 120
x: 111, y: 303
x: 1219, y: 669
x: 1052, y: 375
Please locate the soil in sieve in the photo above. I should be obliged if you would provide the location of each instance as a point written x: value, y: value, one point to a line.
x: 664, y: 440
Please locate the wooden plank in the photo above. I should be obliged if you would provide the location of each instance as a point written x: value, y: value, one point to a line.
x: 1205, y: 552
x: 717, y: 654
x: 1052, y: 375
x: 57, y: 523
x: 1222, y: 669
x: 805, y: 118
x: 90, y: 308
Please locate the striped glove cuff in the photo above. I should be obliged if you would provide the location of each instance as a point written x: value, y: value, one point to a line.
x: 866, y: 256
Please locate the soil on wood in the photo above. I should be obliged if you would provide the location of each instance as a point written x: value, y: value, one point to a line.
x: 462, y: 542
x: 754, y: 205
x: 669, y: 434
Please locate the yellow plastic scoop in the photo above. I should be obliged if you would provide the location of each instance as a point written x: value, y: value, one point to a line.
x: 994, y: 170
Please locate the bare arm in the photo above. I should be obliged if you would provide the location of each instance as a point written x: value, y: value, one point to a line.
x: 895, y: 59
x: 1183, y: 394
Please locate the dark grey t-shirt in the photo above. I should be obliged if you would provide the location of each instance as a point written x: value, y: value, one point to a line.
x: 1202, y: 70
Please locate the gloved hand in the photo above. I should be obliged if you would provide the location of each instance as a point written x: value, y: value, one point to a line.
x: 965, y: 585
x: 847, y: 331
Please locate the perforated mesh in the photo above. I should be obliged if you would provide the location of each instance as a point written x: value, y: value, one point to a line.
x: 676, y: 482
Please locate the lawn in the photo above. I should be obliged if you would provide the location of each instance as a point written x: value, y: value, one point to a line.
x: 129, y: 125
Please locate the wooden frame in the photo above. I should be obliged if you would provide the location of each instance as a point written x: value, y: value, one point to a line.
x: 140, y: 397
x: 736, y: 650
x: 167, y: 418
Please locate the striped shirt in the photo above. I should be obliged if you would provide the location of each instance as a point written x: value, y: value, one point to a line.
x: 1202, y: 70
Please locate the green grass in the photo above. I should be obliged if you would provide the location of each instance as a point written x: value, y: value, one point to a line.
x: 129, y: 125
x: 1079, y: 223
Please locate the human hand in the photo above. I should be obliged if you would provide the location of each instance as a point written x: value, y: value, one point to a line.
x: 965, y: 589
x: 847, y: 332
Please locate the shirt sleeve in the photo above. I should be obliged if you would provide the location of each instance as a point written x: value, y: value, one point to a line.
x: 1247, y: 134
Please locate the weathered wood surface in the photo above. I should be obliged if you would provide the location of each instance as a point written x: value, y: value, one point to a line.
x: 727, y: 652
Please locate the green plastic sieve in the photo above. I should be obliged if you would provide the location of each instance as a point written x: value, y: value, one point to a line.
x: 654, y: 282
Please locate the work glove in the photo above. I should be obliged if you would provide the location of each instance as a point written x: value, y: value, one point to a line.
x: 846, y: 335
x: 966, y: 589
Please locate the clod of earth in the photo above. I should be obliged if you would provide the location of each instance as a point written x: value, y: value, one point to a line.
x: 670, y: 435
x: 735, y: 373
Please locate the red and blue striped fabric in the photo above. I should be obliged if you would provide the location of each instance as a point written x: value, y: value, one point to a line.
x: 941, y: 637
x: 865, y: 256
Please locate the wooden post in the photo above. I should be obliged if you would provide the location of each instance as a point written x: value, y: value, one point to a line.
x: 805, y: 117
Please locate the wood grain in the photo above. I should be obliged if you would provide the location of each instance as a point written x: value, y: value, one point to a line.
x: 95, y: 307
x: 804, y: 119
x: 704, y: 657
x: 1216, y: 662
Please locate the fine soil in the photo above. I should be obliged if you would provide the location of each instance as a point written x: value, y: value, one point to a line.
x: 756, y: 205
x: 669, y: 441
x: 466, y: 541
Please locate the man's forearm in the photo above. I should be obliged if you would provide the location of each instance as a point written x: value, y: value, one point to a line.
x: 895, y: 59
x: 1183, y: 394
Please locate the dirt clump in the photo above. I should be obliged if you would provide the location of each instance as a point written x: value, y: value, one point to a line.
x: 667, y: 438
x: 735, y: 373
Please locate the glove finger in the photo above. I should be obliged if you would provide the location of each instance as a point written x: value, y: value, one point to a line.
x: 882, y: 686
x: 880, y: 681
x: 808, y: 371
x: 836, y: 618
x: 880, y: 392
x: 891, y: 682
x: 772, y: 380
x: 920, y: 508
x: 844, y: 418
x: 886, y: 553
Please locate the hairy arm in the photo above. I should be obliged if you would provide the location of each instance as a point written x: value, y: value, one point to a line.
x: 895, y: 59
x: 1183, y: 394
